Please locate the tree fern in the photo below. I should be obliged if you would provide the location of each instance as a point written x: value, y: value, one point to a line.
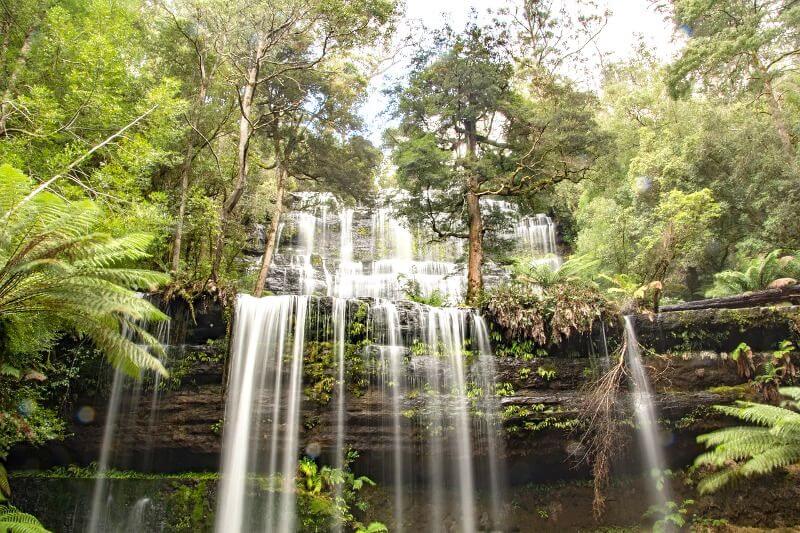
x: 58, y: 273
x: 743, y: 451
x: 756, y: 275
x: 15, y: 521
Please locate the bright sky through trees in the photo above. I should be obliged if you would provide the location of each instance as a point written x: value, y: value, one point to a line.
x: 631, y: 21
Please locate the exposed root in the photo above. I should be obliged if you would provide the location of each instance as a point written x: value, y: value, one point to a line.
x: 602, y: 438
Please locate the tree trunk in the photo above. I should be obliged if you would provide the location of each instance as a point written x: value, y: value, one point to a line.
x: 186, y: 173
x: 776, y: 111
x: 749, y: 299
x: 13, y: 78
x: 272, y: 235
x: 475, y: 258
x: 245, y: 133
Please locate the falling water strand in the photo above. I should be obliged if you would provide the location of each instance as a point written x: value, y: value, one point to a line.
x: 99, y: 508
x: 646, y: 418
x: 491, y: 420
x: 339, y: 322
x: 286, y: 516
x: 261, y: 329
x: 100, y: 512
x: 394, y: 353
x: 446, y: 329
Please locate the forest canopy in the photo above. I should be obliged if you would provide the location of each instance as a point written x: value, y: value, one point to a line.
x: 195, y: 121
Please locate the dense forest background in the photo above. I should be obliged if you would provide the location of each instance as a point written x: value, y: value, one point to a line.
x: 195, y: 120
x: 144, y: 143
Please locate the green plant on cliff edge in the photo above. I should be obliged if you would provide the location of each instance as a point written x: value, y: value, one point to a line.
x: 773, y: 442
x: 757, y: 274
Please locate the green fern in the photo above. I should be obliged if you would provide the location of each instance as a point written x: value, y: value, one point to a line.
x: 15, y: 521
x: 576, y: 267
x: 58, y: 274
x: 743, y: 451
x: 756, y: 275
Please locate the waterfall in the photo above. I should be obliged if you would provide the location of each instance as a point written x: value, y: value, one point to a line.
x: 98, y: 511
x: 445, y: 329
x: 393, y: 264
x: 261, y: 438
x: 121, y: 412
x: 136, y: 518
x: 646, y: 417
x: 391, y: 362
x: 258, y: 385
x: 306, y: 226
x: 491, y: 425
x: 538, y: 234
x: 339, y: 327
x: 429, y: 370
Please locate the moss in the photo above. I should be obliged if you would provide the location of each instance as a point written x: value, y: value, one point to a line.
x: 743, y: 390
x: 319, y: 371
x: 190, y: 507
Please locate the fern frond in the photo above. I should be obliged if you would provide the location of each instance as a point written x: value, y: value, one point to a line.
x: 751, y: 450
x: 15, y: 521
x: 56, y: 269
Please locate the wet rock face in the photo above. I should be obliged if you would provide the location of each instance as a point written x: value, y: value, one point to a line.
x: 541, y: 399
x: 187, y: 436
x: 762, y: 328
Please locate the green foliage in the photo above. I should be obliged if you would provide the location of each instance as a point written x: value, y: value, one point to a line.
x: 755, y: 275
x: 413, y: 292
x: 57, y: 272
x: 319, y: 507
x: 546, y: 374
x: 373, y: 527
x: 525, y: 310
x: 738, y: 452
x: 14, y: 521
x: 504, y: 389
x: 190, y: 507
x: 671, y: 516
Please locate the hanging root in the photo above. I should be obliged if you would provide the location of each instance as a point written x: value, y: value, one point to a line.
x: 602, y: 432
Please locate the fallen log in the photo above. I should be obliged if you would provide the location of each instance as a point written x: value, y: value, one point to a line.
x: 790, y: 294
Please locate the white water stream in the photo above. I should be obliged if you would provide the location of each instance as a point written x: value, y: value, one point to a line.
x: 431, y: 367
x: 646, y: 418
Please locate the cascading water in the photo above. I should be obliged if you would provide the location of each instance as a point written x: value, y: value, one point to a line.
x: 266, y: 331
x: 392, y: 267
x: 538, y: 233
x: 646, y: 418
x: 431, y: 368
x: 122, y: 408
x: 489, y: 425
x: 392, y: 377
x: 445, y: 329
x: 534, y: 235
x: 339, y: 325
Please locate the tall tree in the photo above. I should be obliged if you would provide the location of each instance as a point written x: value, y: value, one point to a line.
x: 311, y: 130
x: 272, y: 41
x: 210, y: 109
x: 740, y: 47
x: 466, y: 133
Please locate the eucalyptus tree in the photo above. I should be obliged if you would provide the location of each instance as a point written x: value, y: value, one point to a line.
x: 312, y: 127
x: 272, y: 41
x: 740, y: 47
x: 466, y: 131
x: 202, y: 68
